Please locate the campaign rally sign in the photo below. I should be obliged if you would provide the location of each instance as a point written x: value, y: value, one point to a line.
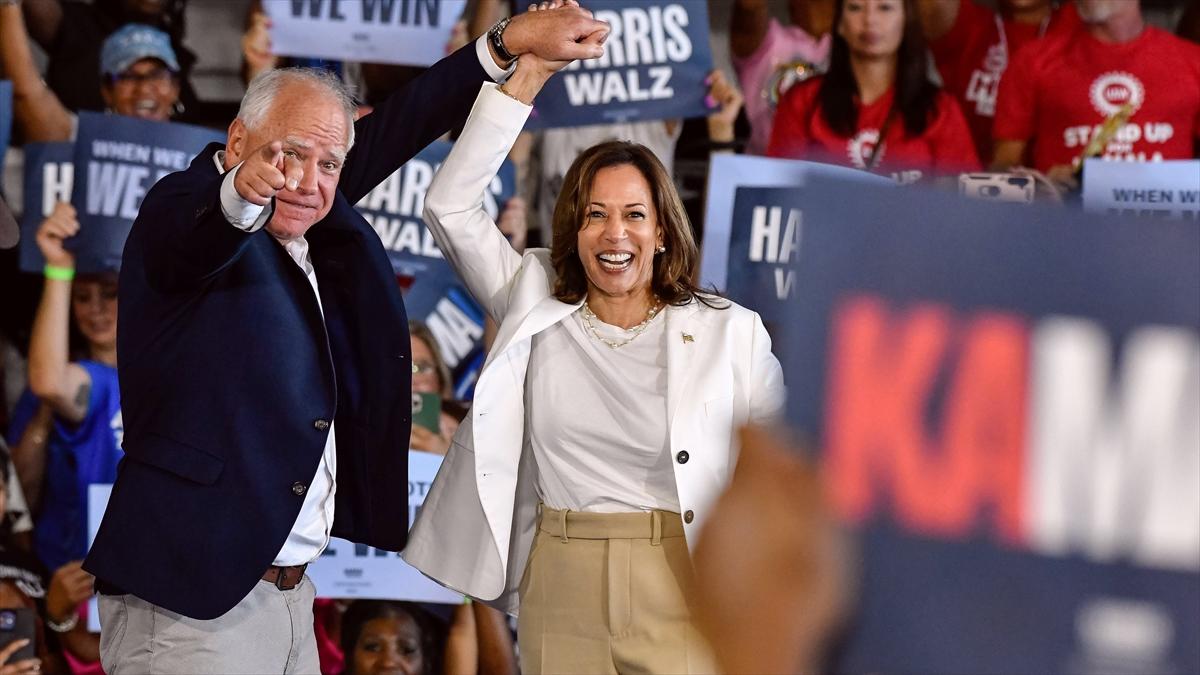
x: 97, y: 504
x: 6, y: 119
x: 1005, y: 401
x: 655, y: 62
x: 345, y: 569
x: 348, y: 570
x: 409, y: 32
x: 117, y: 160
x: 1169, y: 189
x: 49, y: 177
x: 434, y: 294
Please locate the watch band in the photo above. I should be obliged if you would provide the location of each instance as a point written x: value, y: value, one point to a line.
x: 496, y: 38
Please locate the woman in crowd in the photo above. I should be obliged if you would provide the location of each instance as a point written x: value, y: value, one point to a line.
x: 876, y: 108
x: 382, y: 636
x: 611, y: 396
x: 140, y: 78
x: 431, y: 376
x: 81, y: 444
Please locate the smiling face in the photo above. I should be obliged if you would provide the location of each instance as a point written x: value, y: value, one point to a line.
x: 314, y: 129
x: 389, y: 645
x: 619, y: 234
x: 147, y: 89
x: 872, y: 28
x: 94, y: 305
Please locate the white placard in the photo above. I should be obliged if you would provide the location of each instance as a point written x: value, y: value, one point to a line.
x: 409, y: 32
x: 97, y: 502
x: 1168, y: 189
x: 348, y: 570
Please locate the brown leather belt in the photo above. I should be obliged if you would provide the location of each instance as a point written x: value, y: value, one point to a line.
x: 284, y: 578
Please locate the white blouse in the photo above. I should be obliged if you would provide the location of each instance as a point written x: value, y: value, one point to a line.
x: 597, y: 418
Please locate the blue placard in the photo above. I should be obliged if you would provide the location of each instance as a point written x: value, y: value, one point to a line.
x: 737, y: 256
x: 6, y: 121
x: 654, y: 66
x: 1004, y: 398
x: 434, y: 294
x: 117, y: 160
x: 49, y: 177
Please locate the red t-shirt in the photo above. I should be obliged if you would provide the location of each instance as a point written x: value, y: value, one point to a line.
x: 972, y: 56
x: 1059, y: 91
x: 801, y: 132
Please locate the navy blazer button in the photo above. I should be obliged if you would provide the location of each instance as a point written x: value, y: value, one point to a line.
x: 321, y: 425
x: 299, y: 489
x: 682, y: 457
x: 688, y: 516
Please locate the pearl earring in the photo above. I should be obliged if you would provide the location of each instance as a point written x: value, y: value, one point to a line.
x: 661, y: 249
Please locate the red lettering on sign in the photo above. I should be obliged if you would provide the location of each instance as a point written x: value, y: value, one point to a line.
x: 883, y: 371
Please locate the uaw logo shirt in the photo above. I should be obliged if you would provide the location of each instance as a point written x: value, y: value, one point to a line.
x: 973, y: 56
x: 1058, y: 96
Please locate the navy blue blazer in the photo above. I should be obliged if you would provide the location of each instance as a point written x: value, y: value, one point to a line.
x: 229, y: 376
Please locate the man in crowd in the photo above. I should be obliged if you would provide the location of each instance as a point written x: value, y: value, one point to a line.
x: 265, y: 369
x: 972, y: 46
x: 1059, y: 93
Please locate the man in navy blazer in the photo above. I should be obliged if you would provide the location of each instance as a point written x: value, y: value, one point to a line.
x: 265, y: 371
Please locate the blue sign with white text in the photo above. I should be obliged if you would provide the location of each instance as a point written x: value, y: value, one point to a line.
x: 49, y: 176
x: 1004, y: 400
x: 655, y: 61
x: 117, y: 160
x: 434, y: 294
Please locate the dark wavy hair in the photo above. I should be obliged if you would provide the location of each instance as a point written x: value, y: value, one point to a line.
x: 916, y: 95
x: 433, y: 634
x: 674, y: 269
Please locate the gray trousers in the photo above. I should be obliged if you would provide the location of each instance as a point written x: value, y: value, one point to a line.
x: 269, y: 631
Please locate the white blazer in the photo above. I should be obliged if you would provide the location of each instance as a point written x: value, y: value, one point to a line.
x: 476, y: 527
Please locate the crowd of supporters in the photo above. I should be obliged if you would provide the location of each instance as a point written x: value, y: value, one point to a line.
x: 918, y: 90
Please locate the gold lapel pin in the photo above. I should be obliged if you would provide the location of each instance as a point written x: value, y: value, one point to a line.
x: 687, y: 337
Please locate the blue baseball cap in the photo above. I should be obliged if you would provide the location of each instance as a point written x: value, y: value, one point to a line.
x: 132, y: 43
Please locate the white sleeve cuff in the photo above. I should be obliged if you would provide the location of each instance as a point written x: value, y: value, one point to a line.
x: 494, y: 71
x: 239, y: 212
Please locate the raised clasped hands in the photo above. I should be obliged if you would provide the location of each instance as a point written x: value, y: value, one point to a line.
x: 557, y: 32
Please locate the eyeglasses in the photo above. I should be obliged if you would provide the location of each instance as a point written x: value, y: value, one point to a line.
x: 423, y: 368
x: 159, y: 77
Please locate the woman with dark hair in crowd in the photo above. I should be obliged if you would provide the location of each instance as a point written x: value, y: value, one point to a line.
x: 876, y: 108
x: 602, y: 428
x: 67, y: 429
x: 385, y: 636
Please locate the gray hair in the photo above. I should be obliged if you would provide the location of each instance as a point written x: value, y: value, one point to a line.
x: 260, y: 95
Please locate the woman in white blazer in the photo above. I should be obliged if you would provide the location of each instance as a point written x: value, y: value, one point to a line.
x: 603, y: 423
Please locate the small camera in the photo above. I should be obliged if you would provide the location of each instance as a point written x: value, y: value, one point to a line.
x: 418, y: 404
x: 1003, y: 187
x: 8, y: 620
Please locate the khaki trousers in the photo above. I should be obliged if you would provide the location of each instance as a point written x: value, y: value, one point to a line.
x: 607, y: 593
x: 269, y: 631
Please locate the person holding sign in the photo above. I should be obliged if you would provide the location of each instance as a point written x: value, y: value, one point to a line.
x: 265, y: 367
x: 602, y: 425
x: 875, y: 109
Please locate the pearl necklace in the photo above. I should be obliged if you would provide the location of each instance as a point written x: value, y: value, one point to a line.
x: 634, y: 331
